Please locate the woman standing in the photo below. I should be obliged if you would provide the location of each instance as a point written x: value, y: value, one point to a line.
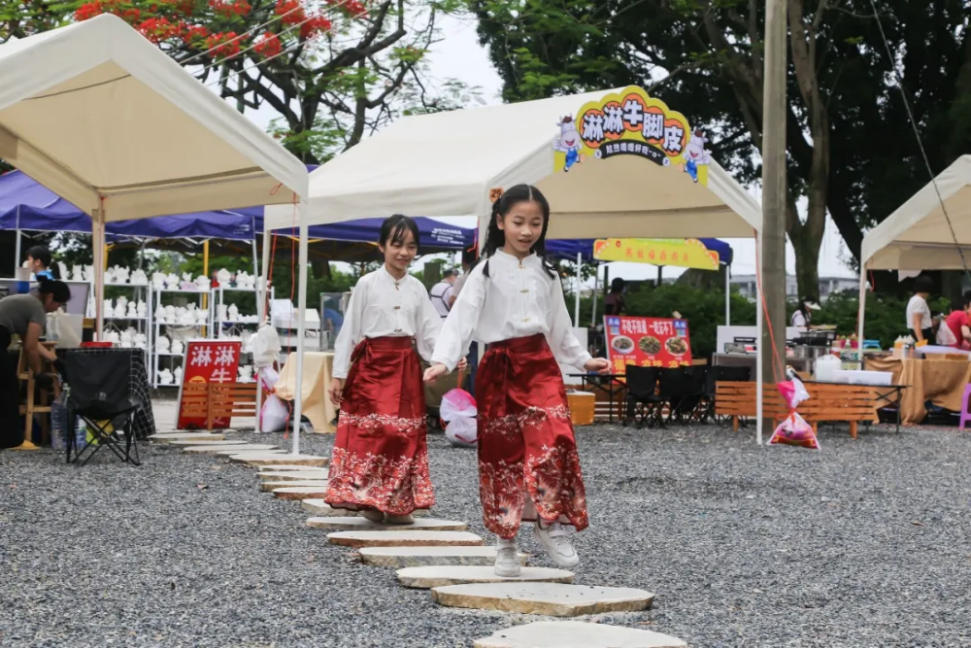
x: 379, y: 464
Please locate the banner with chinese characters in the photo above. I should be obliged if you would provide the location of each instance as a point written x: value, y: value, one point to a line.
x: 631, y: 122
x: 685, y: 253
x: 646, y: 342
x: 207, y: 361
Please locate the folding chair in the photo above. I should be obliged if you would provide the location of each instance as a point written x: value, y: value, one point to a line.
x: 717, y: 373
x: 643, y: 403
x: 100, y: 394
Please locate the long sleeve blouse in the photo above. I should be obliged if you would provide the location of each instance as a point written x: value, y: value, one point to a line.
x: 517, y: 299
x: 382, y: 306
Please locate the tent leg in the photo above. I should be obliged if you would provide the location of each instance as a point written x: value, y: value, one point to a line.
x: 860, y: 315
x: 576, y: 300
x: 98, y: 253
x: 17, y: 251
x: 593, y: 309
x: 728, y: 296
x: 301, y: 309
x: 259, y: 292
x: 758, y: 358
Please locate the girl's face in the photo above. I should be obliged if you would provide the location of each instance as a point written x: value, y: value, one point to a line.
x: 399, y: 254
x: 522, y: 226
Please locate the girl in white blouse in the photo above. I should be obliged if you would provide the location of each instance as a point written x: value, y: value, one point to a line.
x: 513, y: 301
x: 379, y: 464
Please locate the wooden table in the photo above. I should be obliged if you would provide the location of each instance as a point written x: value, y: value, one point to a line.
x: 940, y: 381
x: 317, y: 406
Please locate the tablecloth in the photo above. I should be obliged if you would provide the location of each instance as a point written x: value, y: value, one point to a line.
x: 939, y: 381
x: 316, y: 405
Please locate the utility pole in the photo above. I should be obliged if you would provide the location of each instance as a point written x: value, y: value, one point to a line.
x: 773, y: 238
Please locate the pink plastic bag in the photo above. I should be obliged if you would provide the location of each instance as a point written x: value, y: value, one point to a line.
x: 458, y: 411
x: 795, y: 431
x: 793, y: 391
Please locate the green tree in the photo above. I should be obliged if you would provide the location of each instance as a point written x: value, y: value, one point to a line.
x: 850, y: 152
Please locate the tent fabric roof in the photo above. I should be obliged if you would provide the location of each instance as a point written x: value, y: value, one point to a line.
x: 916, y: 236
x: 444, y: 164
x: 107, y: 120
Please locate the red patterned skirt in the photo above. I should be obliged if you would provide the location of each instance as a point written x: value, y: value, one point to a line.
x: 380, y: 459
x: 528, y: 463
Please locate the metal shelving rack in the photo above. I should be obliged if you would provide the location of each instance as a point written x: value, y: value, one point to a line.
x: 169, y: 360
x: 226, y: 329
x: 142, y: 324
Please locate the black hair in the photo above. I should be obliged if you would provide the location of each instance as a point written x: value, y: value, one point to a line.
x: 41, y: 253
x: 58, y: 289
x: 923, y: 283
x: 394, y: 227
x: 617, y: 285
x: 469, y: 255
x: 495, y: 238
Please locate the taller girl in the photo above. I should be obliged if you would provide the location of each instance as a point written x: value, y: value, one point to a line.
x: 379, y: 464
x: 513, y: 301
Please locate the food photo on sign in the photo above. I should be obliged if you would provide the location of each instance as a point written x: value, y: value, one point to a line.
x: 647, y: 342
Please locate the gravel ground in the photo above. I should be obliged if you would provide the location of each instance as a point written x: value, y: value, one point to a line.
x: 863, y: 544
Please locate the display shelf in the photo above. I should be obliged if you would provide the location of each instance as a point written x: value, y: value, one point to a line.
x: 163, y: 298
x: 227, y: 328
x: 141, y: 323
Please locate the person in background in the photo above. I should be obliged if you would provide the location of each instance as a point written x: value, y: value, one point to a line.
x: 614, y: 303
x: 959, y: 322
x: 25, y: 315
x: 39, y: 262
x: 919, y: 313
x: 469, y: 256
x: 803, y: 314
x: 441, y: 293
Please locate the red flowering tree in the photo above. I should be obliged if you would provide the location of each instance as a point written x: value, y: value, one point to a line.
x: 333, y: 70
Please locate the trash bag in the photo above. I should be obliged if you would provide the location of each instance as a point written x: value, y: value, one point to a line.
x: 793, y: 391
x: 274, y: 414
x: 458, y: 411
x: 795, y: 431
x: 266, y: 346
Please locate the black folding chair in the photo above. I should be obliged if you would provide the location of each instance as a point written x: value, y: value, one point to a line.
x: 643, y: 403
x: 676, y: 391
x: 719, y: 373
x: 100, y: 394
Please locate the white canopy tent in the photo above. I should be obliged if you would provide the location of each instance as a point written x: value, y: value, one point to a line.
x: 917, y: 236
x: 445, y: 164
x: 106, y: 120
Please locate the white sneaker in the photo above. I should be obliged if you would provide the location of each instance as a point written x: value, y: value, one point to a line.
x: 556, y: 539
x: 372, y: 515
x: 507, y: 558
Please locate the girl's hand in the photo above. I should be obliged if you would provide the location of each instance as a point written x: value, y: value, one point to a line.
x: 434, y: 371
x: 336, y: 390
x: 600, y: 365
x: 463, y: 364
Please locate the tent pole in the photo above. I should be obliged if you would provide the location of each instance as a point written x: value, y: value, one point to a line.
x: 256, y: 370
x: 861, y: 313
x: 728, y: 296
x: 301, y: 309
x: 262, y: 291
x: 758, y: 358
x: 593, y: 310
x: 16, y: 258
x: 576, y: 298
x: 98, y: 254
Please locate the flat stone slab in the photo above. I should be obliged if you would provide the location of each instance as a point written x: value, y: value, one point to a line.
x: 403, y: 538
x: 287, y: 467
x: 300, y: 492
x: 207, y: 441
x: 576, y: 634
x: 229, y: 451
x: 440, y: 575
x: 270, y: 486
x: 319, y: 506
x: 337, y: 523
x: 281, y: 458
x: 236, y: 448
x: 422, y: 556
x: 550, y: 599
x: 165, y: 437
x: 292, y: 475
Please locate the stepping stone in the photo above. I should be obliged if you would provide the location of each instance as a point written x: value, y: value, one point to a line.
x: 357, y: 522
x: 207, y: 441
x: 292, y: 475
x: 166, y: 437
x: 550, y: 599
x: 237, y: 448
x: 403, y: 538
x: 228, y: 451
x: 287, y: 468
x: 422, y: 556
x: 576, y: 634
x: 300, y: 492
x: 440, y: 575
x: 282, y: 458
x: 271, y: 486
x: 319, y: 506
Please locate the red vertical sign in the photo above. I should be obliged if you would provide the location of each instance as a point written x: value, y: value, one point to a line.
x: 646, y: 342
x: 208, y: 361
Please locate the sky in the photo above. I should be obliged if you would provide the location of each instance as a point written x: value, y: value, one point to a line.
x: 459, y: 55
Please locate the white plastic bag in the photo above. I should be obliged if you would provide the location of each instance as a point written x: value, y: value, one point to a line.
x: 945, y: 336
x: 266, y: 346
x: 462, y: 431
x: 458, y: 410
x: 274, y: 414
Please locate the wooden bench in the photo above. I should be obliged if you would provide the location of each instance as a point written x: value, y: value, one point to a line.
x: 214, y: 400
x: 827, y: 402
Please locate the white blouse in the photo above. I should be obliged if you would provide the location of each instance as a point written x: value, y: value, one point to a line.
x: 517, y: 299
x: 382, y: 306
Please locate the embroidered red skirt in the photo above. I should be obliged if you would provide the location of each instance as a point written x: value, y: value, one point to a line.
x: 528, y: 462
x: 380, y: 458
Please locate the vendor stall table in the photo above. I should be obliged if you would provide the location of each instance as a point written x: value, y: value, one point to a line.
x: 317, y: 407
x: 940, y: 381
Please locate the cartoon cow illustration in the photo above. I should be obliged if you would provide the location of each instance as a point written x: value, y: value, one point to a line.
x: 568, y: 141
x: 695, y: 153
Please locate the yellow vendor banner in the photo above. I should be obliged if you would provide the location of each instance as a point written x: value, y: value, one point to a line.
x: 631, y: 122
x: 684, y: 253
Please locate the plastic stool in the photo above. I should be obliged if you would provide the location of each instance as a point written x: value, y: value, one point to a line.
x: 965, y: 415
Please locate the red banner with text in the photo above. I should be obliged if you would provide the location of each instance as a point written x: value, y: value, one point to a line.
x: 208, y: 361
x: 646, y: 342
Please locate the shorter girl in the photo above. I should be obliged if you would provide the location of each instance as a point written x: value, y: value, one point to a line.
x: 379, y: 464
x: 513, y: 301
